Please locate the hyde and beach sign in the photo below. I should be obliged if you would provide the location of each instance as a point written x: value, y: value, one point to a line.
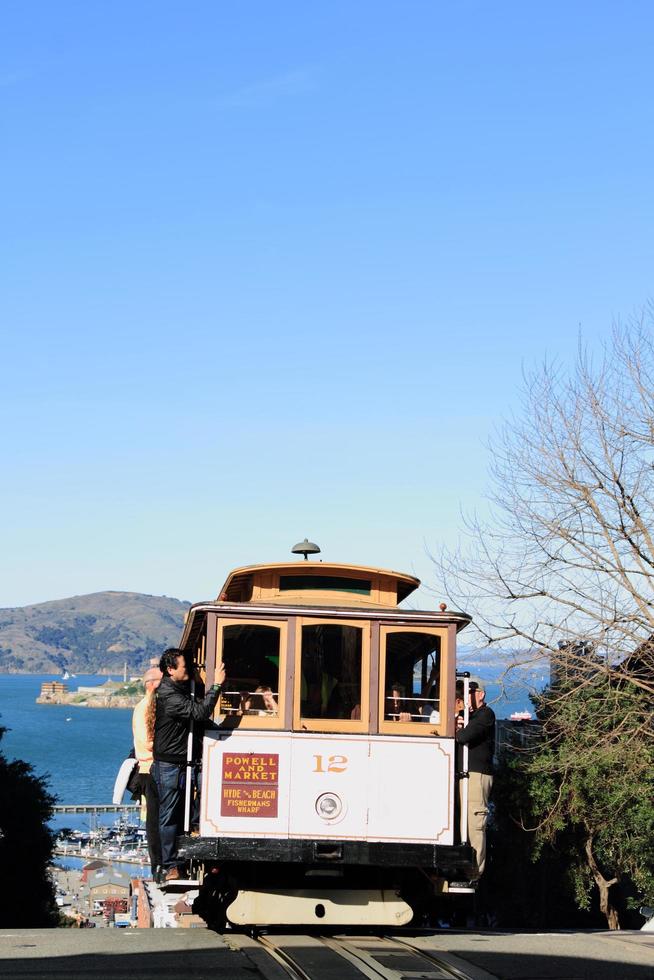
x: 250, y: 785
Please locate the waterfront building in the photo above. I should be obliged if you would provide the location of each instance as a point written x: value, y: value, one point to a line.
x: 51, y: 689
x: 102, y: 884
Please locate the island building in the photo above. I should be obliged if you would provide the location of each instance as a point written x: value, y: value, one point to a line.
x: 53, y: 689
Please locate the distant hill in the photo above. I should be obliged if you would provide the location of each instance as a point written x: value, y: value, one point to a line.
x: 89, y: 633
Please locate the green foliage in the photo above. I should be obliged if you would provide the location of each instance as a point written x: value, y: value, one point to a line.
x: 572, y: 831
x: 590, y: 791
x: 130, y: 690
x: 26, y: 845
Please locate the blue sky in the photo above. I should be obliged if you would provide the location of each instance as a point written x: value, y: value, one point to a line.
x: 274, y: 270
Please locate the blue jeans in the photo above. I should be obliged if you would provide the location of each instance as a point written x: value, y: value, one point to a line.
x: 170, y: 780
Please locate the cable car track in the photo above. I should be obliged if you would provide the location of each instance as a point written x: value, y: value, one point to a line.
x: 449, y: 969
x: 351, y: 958
x: 284, y: 959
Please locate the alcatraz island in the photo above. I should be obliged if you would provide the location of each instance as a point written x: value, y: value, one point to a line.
x: 111, y: 694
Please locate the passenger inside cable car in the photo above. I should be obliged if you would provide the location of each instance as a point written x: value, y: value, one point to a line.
x: 413, y: 661
x: 260, y: 702
x: 251, y: 653
x: 397, y: 707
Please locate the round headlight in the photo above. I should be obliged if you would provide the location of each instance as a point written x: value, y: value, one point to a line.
x: 329, y: 806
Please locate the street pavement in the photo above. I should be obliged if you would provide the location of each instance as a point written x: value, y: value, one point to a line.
x: 551, y: 956
x: 119, y: 954
x: 199, y: 954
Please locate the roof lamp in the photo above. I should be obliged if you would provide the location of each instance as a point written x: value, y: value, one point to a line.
x: 305, y: 548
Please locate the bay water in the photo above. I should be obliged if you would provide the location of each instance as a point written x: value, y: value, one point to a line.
x: 79, y: 750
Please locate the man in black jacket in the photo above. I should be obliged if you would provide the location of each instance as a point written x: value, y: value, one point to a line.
x: 479, y: 736
x: 175, y: 711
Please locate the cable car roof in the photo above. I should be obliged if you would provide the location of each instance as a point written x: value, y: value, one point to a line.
x: 319, y: 582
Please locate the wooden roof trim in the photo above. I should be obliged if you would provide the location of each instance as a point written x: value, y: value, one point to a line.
x: 406, y: 583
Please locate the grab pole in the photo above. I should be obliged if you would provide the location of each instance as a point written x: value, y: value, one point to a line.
x: 465, y: 775
x: 189, y: 766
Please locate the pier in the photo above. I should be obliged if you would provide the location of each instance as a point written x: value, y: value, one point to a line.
x: 92, y: 854
x: 96, y: 808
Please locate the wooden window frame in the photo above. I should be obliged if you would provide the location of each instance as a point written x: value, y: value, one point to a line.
x: 333, y: 724
x: 415, y: 727
x: 257, y: 721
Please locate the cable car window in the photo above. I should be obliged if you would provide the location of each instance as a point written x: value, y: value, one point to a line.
x: 331, y: 671
x: 250, y: 653
x: 413, y: 666
x: 324, y: 583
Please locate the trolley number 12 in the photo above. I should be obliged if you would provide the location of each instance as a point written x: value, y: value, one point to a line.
x: 335, y: 763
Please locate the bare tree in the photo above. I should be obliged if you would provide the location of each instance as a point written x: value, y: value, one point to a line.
x: 562, y: 568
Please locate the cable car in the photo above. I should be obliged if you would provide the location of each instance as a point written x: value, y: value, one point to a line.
x: 328, y: 772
